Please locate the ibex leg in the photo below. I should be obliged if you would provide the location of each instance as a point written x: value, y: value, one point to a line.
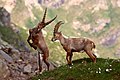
x: 68, y: 58
x: 90, y: 54
x: 45, y: 59
x: 39, y: 62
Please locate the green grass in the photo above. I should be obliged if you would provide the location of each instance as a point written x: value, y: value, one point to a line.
x: 8, y: 35
x: 84, y: 69
x: 12, y: 38
x: 20, y: 14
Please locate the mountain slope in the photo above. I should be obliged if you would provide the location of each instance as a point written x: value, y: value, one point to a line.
x: 83, y: 69
x: 97, y: 20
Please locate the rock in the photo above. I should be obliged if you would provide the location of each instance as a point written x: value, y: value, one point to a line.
x: 75, y: 2
x: 109, y: 41
x: 4, y: 16
x: 3, y: 43
x: 9, y: 5
x: 40, y: 1
x: 27, y: 68
x: 86, y: 27
x: 102, y: 23
x: 6, y: 56
x: 21, y: 67
x: 4, y: 72
x: 76, y: 25
x: 118, y: 3
x: 15, y: 51
x: 117, y: 53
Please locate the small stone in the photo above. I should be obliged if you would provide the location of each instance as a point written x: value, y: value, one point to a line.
x: 28, y: 68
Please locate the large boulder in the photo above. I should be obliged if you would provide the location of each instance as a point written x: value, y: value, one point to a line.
x: 4, y: 17
x: 6, y: 56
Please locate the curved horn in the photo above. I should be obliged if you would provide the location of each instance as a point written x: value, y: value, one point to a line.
x: 43, y: 20
x: 51, y: 20
x: 57, y: 26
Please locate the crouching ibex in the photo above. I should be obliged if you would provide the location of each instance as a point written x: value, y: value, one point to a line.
x: 71, y: 45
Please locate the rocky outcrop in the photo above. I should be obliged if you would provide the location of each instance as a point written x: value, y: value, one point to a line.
x: 4, y: 17
x: 110, y: 39
x: 9, y: 5
x: 18, y: 65
x: 50, y: 3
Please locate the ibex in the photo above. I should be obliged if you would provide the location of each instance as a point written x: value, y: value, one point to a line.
x: 71, y: 45
x: 38, y: 41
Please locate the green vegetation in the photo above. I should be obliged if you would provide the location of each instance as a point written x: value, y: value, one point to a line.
x: 8, y: 35
x: 20, y: 13
x: 68, y: 13
x: 84, y: 69
x: 84, y: 16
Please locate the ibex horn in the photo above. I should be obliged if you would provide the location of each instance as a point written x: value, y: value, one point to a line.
x: 57, y: 26
x: 51, y: 20
x: 43, y: 20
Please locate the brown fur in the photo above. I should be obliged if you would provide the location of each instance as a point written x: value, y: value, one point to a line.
x: 36, y: 40
x: 71, y: 45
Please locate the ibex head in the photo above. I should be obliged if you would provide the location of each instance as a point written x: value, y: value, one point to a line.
x: 56, y: 34
x: 42, y: 24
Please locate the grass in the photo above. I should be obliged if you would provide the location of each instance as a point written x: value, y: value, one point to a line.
x: 20, y: 13
x: 84, y: 69
x: 81, y: 13
x: 8, y: 35
x: 12, y: 38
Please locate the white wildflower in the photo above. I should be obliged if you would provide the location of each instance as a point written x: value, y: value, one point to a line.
x: 96, y: 71
x: 88, y: 68
x: 70, y: 67
x: 107, y: 70
x: 110, y: 65
x: 99, y: 69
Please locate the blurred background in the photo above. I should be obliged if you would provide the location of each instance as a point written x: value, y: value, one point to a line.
x: 98, y: 20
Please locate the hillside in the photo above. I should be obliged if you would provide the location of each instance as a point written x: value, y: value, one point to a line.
x: 84, y: 69
x: 98, y: 20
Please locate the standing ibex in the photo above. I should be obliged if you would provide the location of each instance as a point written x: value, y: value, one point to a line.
x: 38, y: 41
x: 71, y: 45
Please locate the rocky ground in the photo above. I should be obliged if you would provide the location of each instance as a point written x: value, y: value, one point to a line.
x: 18, y: 65
x: 98, y: 20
